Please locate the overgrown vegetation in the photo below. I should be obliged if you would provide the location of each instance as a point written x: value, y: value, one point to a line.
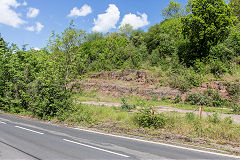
x: 198, y: 44
x: 189, y: 125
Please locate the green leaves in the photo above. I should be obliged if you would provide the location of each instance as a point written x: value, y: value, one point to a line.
x: 174, y: 10
x: 29, y: 82
x: 207, y: 25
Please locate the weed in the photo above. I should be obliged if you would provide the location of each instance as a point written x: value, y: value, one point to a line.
x: 163, y: 98
x: 177, y: 99
x: 236, y: 108
x: 155, y: 98
x: 214, y: 118
x: 234, y: 91
x: 228, y: 120
x: 190, y: 116
x: 145, y: 118
x: 125, y: 106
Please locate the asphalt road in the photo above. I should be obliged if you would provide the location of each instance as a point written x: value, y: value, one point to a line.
x: 24, y: 139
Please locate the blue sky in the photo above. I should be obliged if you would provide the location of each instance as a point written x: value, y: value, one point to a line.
x: 32, y: 21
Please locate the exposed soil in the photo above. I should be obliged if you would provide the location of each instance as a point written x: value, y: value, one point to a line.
x: 141, y: 83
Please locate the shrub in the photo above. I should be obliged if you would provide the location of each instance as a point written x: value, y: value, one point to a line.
x: 234, y: 91
x: 125, y: 106
x: 228, y: 120
x: 145, y: 118
x: 155, y: 98
x: 197, y: 99
x: 177, y: 99
x: 218, y: 68
x: 163, y: 98
x: 214, y: 118
x: 186, y: 79
x: 236, y: 108
x: 215, y: 99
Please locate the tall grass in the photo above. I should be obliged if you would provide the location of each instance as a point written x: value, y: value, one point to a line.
x: 212, y: 127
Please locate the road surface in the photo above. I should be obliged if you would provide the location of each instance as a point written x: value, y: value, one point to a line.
x: 32, y: 140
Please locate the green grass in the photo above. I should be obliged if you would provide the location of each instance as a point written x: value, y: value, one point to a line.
x: 189, y: 125
x: 139, y: 101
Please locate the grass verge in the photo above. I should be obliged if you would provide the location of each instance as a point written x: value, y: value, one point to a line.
x: 139, y: 101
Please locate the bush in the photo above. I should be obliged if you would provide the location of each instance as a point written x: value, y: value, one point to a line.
x: 234, y: 91
x: 216, y: 99
x: 197, y: 99
x: 185, y: 80
x: 163, y: 98
x: 177, y: 99
x: 145, y: 118
x: 214, y: 118
x: 125, y: 106
x: 236, y: 108
x: 218, y: 68
x: 155, y: 98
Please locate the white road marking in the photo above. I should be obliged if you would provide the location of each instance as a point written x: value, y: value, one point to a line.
x: 146, y: 141
x: 164, y: 144
x: 29, y: 130
x: 3, y: 122
x: 85, y: 145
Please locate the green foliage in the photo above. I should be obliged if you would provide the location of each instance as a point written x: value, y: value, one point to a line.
x: 125, y: 106
x: 177, y: 99
x: 214, y: 118
x: 126, y: 30
x: 145, y: 118
x: 197, y: 99
x: 209, y: 98
x: 174, y: 10
x: 230, y: 48
x: 155, y: 97
x: 218, y: 68
x: 30, y: 83
x: 39, y: 81
x: 207, y: 25
x: 63, y: 48
x: 234, y: 91
x: 235, y: 5
x: 185, y: 79
x: 161, y: 39
x: 236, y: 108
x: 163, y: 98
x: 190, y: 116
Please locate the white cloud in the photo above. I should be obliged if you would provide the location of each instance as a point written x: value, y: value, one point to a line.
x: 32, y: 12
x: 108, y: 20
x: 30, y: 28
x: 84, y: 11
x: 135, y: 21
x: 38, y: 27
x: 36, y: 49
x: 8, y: 16
x: 24, y: 3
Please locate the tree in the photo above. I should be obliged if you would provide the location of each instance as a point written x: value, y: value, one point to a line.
x: 206, y: 25
x: 174, y: 10
x: 162, y: 38
x: 94, y: 36
x: 64, y: 49
x: 126, y: 30
x: 3, y: 44
x: 137, y: 37
x: 235, y: 5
